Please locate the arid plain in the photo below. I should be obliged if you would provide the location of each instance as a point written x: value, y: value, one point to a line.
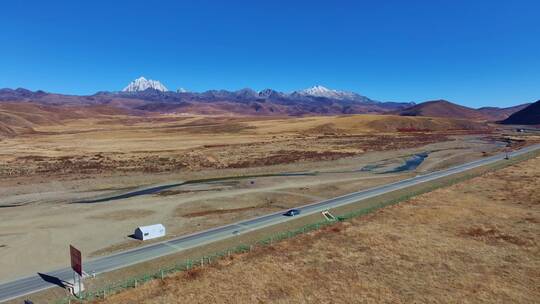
x: 473, y: 242
x: 56, y: 176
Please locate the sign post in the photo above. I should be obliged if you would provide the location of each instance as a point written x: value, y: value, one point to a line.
x: 76, y: 265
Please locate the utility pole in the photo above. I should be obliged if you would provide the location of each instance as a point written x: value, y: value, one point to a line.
x: 80, y: 286
x: 74, y: 283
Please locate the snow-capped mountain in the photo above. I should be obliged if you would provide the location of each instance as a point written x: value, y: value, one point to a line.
x: 141, y: 84
x: 320, y: 91
x: 152, y: 96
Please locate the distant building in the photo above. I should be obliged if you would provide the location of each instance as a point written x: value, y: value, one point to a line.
x: 520, y: 130
x: 149, y: 232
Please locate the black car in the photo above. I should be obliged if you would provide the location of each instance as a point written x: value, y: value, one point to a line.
x: 292, y: 212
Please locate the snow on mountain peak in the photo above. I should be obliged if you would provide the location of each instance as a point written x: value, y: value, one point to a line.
x: 141, y: 84
x: 320, y: 91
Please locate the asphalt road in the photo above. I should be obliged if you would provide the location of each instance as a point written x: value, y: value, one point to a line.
x: 32, y: 284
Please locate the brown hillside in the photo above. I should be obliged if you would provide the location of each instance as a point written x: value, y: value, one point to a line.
x: 527, y: 116
x: 365, y: 123
x: 443, y: 108
x: 23, y: 117
x: 497, y: 114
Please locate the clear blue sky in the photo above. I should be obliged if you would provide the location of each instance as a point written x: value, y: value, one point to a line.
x: 475, y: 53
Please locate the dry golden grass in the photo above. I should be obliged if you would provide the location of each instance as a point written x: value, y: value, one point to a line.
x: 104, y: 144
x: 473, y: 242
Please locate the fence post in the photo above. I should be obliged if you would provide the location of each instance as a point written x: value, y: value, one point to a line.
x: 161, y: 272
x: 202, y: 261
x: 135, y: 285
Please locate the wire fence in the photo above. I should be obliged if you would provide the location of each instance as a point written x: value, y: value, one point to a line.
x: 188, y: 264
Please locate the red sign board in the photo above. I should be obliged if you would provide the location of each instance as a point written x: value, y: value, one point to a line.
x: 76, y: 260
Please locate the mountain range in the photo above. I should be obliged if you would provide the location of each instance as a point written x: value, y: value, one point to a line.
x: 151, y: 96
x: 142, y: 84
x: 147, y: 95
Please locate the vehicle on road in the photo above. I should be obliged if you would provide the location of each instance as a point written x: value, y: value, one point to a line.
x: 292, y: 212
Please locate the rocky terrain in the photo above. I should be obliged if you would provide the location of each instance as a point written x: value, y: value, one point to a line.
x: 152, y: 96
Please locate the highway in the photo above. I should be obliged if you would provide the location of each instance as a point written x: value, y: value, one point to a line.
x: 35, y: 283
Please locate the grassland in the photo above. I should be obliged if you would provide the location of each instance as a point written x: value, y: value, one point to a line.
x: 103, y: 145
x: 69, y: 157
x: 62, y: 161
x: 473, y: 242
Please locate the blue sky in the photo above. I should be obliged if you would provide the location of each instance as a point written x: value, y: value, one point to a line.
x: 474, y: 53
